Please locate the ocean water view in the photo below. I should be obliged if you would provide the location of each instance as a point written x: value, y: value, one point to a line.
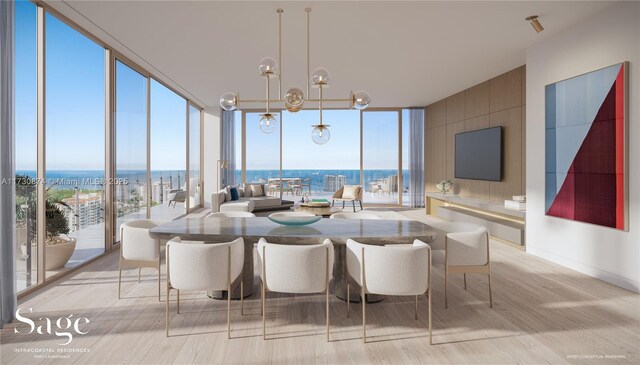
x: 93, y: 179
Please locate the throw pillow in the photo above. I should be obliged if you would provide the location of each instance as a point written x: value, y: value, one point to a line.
x: 234, y: 194
x: 222, y: 196
x: 350, y: 192
x: 257, y: 190
x: 227, y: 194
x: 247, y: 190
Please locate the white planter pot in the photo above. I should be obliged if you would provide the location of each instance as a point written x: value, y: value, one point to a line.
x: 58, y: 255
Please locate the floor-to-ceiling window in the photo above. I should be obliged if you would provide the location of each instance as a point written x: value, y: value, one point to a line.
x: 368, y: 148
x: 66, y: 84
x: 168, y: 147
x: 320, y: 170
x: 130, y: 146
x: 262, y: 153
x: 381, y: 156
x: 26, y: 143
x: 404, y: 189
x: 75, y: 157
x: 195, y: 188
x: 237, y: 135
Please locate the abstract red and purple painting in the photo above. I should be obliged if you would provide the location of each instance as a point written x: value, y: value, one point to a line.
x: 586, y: 148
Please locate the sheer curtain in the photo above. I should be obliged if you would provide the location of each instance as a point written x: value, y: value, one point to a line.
x: 7, y: 194
x: 228, y: 153
x: 416, y: 157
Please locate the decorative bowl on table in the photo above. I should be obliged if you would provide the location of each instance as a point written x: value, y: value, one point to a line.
x: 290, y: 220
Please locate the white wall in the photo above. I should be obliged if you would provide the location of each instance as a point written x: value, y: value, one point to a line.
x: 608, y: 254
x: 211, y: 146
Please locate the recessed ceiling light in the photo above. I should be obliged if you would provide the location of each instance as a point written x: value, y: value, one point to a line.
x: 535, y: 23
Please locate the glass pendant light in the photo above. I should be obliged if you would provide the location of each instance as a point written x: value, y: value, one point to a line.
x: 320, y: 134
x: 294, y: 99
x: 268, y: 67
x: 229, y: 102
x: 268, y: 123
x: 360, y: 100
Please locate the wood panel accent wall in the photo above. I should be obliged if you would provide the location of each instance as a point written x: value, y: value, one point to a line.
x: 496, y: 102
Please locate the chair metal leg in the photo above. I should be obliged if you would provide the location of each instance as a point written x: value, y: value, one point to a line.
x: 178, y: 301
x: 159, y: 272
x: 445, y: 287
x: 333, y: 202
x: 343, y: 205
x: 139, y: 274
x: 241, y: 297
x: 490, y: 297
x: 360, y: 201
x: 416, y: 308
x: 327, y: 314
x: 166, y: 314
x: 229, y: 309
x: 348, y: 299
x: 464, y: 275
x: 354, y: 206
x: 364, y: 315
x: 264, y: 314
x: 119, y: 279
x: 429, y: 291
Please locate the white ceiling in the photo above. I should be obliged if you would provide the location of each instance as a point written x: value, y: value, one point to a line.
x: 402, y: 53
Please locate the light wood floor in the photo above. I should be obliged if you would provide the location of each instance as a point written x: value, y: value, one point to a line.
x: 543, y: 313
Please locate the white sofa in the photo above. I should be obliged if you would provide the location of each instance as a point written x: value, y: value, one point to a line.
x: 245, y: 203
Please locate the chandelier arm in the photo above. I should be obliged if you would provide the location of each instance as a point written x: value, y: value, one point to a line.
x: 320, y: 104
x: 308, y: 10
x: 252, y: 101
x: 267, y: 94
x: 280, y: 11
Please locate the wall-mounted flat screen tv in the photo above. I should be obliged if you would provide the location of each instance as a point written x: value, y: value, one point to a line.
x: 479, y: 154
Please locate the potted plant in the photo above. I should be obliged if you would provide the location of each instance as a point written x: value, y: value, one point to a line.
x: 444, y: 186
x: 58, y: 245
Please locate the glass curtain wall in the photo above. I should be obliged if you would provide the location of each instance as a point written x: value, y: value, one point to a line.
x: 75, y: 157
x: 406, y: 178
x: 73, y: 131
x: 195, y: 188
x: 130, y: 146
x: 263, y: 154
x: 168, y: 146
x: 319, y: 170
x: 237, y: 133
x: 26, y: 143
x: 380, y: 156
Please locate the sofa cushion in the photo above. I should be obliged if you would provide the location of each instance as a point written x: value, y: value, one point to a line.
x: 227, y: 194
x: 257, y: 190
x: 234, y: 193
x: 222, y: 196
x: 266, y: 201
x: 237, y: 206
x: 350, y: 192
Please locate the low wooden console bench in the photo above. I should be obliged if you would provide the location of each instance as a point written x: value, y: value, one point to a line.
x: 502, y: 223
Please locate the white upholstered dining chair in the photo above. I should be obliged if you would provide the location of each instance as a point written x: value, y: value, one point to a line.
x: 403, y: 270
x: 138, y: 249
x: 466, y: 253
x: 199, y: 266
x: 231, y: 214
x: 294, y: 269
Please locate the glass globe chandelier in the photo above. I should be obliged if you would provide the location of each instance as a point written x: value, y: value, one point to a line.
x: 294, y: 99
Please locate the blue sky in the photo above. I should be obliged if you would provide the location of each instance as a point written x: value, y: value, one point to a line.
x: 75, y: 116
x: 75, y: 104
x: 342, y: 152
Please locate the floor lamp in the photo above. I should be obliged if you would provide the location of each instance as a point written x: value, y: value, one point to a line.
x: 222, y: 165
